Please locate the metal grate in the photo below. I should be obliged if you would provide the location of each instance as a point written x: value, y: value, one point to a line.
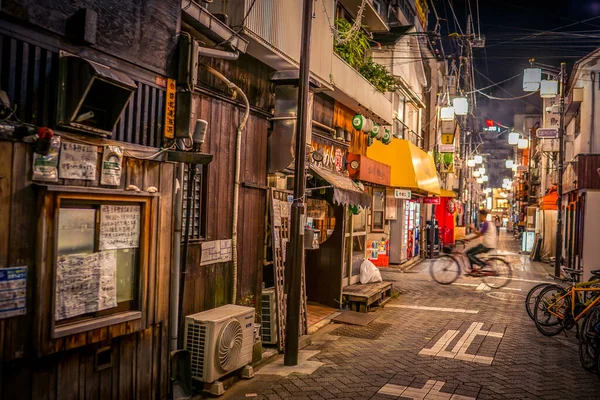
x: 197, y: 215
x: 29, y: 75
x: 268, y: 317
x: 195, y: 344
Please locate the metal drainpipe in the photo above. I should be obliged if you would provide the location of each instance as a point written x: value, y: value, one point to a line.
x: 176, y: 272
x: 236, y: 185
x: 593, y: 113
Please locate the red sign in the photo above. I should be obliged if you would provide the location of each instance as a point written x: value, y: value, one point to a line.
x: 365, y: 169
x: 431, y: 200
x: 489, y: 122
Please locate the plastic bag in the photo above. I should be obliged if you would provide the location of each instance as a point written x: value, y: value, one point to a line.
x: 369, y: 272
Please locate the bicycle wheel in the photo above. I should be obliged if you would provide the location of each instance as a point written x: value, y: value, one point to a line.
x: 551, y: 309
x: 502, y: 273
x: 588, y: 339
x: 445, y: 270
x: 532, y: 297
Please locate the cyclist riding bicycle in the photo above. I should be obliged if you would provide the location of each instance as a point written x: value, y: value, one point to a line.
x: 488, y: 232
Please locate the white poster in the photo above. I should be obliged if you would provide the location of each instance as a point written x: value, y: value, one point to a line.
x: 119, y: 227
x: 85, y: 283
x: 78, y: 161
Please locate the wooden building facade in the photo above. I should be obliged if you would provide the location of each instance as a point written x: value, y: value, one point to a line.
x: 122, y: 354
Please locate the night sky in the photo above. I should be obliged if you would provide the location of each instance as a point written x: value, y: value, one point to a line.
x: 516, y: 31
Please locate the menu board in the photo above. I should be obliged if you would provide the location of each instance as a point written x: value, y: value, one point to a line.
x: 78, y: 161
x: 119, y: 227
x: 85, y: 283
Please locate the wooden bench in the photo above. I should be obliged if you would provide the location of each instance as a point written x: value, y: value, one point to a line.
x: 361, y: 297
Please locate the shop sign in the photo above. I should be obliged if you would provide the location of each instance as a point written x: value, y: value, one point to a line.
x: 333, y: 154
x: 431, y: 200
x: 446, y: 148
x: 522, y: 168
x: 13, y: 290
x: 447, y: 138
x: 547, y: 133
x: 365, y: 169
x: 448, y: 127
x: 402, y: 194
x: 422, y: 11
x: 170, y: 110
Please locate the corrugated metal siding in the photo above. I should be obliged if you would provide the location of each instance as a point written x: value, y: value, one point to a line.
x: 279, y: 24
x: 29, y: 75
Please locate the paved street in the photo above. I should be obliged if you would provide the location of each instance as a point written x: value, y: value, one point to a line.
x: 439, y: 342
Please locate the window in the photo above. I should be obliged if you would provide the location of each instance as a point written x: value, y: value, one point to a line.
x: 198, y: 216
x: 99, y: 259
x: 378, y: 210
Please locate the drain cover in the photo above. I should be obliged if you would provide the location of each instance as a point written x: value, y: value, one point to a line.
x: 371, y: 331
x: 506, y: 296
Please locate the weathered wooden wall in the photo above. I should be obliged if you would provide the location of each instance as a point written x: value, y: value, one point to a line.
x: 36, y: 366
x: 143, y: 32
x: 211, y: 286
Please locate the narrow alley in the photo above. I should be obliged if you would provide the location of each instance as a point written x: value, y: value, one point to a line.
x: 436, y: 342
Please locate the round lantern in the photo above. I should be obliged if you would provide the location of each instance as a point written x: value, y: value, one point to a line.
x: 375, y: 131
x: 387, y: 137
x: 358, y: 121
x: 367, y: 126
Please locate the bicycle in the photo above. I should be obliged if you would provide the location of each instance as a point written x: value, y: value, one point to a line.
x: 496, y: 274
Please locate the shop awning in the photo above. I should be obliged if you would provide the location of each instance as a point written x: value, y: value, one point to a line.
x: 344, y: 190
x: 412, y: 168
x: 447, y: 193
x: 548, y: 202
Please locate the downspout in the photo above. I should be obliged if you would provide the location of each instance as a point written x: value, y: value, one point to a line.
x: 236, y: 185
x: 593, y: 117
x: 176, y: 272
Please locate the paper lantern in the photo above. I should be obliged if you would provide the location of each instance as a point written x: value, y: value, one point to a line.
x: 531, y: 79
x: 548, y: 89
x: 374, y: 131
x: 447, y: 113
x: 358, y: 122
x: 461, y: 106
x: 387, y: 137
x: 523, y: 144
x: 513, y: 138
x: 509, y: 163
x: 478, y: 159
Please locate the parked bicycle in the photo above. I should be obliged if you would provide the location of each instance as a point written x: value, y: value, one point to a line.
x: 496, y: 273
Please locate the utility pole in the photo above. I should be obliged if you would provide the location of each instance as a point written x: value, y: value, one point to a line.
x: 561, y: 160
x: 296, y: 258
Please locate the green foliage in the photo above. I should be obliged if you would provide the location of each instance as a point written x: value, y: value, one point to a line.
x: 353, y: 52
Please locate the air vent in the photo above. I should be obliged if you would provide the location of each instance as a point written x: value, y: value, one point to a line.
x: 196, y: 342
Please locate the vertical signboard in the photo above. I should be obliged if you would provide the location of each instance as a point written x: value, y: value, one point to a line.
x: 170, y: 110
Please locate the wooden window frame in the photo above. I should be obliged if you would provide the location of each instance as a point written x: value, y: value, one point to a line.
x: 50, y: 232
x: 373, y: 211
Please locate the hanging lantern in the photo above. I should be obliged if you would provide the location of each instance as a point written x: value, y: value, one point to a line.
x: 509, y: 163
x: 447, y: 113
x: 548, y: 89
x: 387, y: 137
x: 481, y: 170
x: 479, y: 180
x: 461, y: 105
x: 523, y: 143
x: 531, y: 79
x: 358, y: 121
x: 476, y: 174
x: 485, y: 178
x: 513, y: 138
x: 367, y: 126
x: 478, y: 159
x: 470, y: 163
x: 374, y: 133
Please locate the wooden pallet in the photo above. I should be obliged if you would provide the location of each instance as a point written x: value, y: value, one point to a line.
x: 362, y: 297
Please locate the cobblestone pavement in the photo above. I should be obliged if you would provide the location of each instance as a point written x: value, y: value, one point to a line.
x: 443, y: 342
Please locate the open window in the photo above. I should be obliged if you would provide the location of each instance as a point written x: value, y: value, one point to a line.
x: 100, y: 261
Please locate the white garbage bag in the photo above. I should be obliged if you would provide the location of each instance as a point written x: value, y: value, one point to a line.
x: 369, y: 272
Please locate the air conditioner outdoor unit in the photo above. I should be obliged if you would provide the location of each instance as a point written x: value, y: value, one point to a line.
x: 219, y: 341
x: 268, y: 329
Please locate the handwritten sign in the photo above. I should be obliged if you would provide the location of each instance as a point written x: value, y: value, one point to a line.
x: 78, y: 161
x: 170, y: 110
x: 85, y: 283
x: 216, y: 251
x: 13, y: 292
x: 119, y: 227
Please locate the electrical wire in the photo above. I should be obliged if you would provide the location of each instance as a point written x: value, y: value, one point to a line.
x: 455, y: 18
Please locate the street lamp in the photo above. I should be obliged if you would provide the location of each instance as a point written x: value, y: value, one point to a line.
x: 461, y: 105
x: 513, y: 138
x: 509, y: 163
x: 447, y: 113
x: 485, y: 178
x: 523, y: 144
x: 481, y: 170
x: 561, y: 75
x: 470, y: 163
x: 476, y: 174
x: 531, y: 79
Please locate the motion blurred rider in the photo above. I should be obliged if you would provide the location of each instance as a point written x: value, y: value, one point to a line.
x: 488, y: 231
